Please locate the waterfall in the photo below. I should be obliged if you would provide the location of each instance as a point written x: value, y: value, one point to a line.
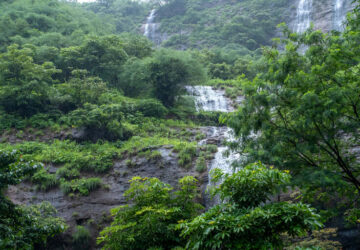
x: 150, y: 26
x: 339, y: 15
x: 209, y: 99
x: 303, y: 16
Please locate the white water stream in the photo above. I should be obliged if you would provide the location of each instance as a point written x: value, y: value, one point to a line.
x: 303, y: 15
x: 150, y: 26
x: 209, y: 99
x: 339, y: 14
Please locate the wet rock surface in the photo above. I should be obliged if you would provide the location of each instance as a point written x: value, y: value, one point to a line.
x: 325, y: 15
x: 93, y: 210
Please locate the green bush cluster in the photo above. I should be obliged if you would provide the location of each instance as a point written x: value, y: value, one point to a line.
x: 149, y: 222
x: 81, y: 237
x: 82, y: 186
x: 186, y: 153
x: 201, y: 164
x: 24, y: 227
x: 44, y: 180
x: 241, y: 25
x: 240, y: 221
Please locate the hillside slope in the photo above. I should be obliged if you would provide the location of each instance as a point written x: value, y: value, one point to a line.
x: 243, y: 26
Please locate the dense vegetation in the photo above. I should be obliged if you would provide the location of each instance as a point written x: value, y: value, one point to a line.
x: 24, y: 227
x: 81, y: 92
x: 241, y: 26
x: 304, y: 111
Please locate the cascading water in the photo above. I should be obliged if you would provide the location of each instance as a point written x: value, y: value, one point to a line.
x: 209, y: 99
x: 339, y: 15
x: 150, y: 26
x: 303, y: 15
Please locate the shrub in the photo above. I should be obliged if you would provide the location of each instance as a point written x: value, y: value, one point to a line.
x: 23, y: 227
x: 44, y: 180
x: 187, y: 152
x: 207, y: 118
x: 211, y: 148
x: 81, y: 237
x: 129, y: 163
x: 169, y: 71
x: 245, y: 218
x: 149, y: 222
x: 200, y: 136
x: 82, y: 186
x: 155, y: 155
x: 101, y: 122
x: 25, y: 84
x: 68, y: 172
x: 151, y: 108
x: 201, y: 165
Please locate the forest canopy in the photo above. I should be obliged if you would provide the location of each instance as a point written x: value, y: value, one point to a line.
x: 103, y: 145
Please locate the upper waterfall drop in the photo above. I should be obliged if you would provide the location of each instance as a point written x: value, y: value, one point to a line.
x: 209, y: 99
x: 339, y: 14
x: 150, y: 26
x: 303, y: 15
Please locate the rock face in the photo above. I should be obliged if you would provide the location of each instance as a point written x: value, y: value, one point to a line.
x: 150, y: 28
x: 93, y: 210
x: 326, y: 15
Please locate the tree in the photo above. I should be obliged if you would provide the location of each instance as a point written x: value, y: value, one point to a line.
x: 136, y: 45
x: 170, y: 71
x: 150, y: 220
x: 24, y: 85
x: 134, y: 78
x: 80, y: 89
x: 100, y: 56
x: 101, y: 122
x: 23, y: 227
x: 246, y: 219
x: 305, y: 112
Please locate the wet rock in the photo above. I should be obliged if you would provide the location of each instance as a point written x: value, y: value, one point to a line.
x: 93, y: 210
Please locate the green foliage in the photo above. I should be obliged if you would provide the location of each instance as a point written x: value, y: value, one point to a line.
x: 201, y: 164
x: 49, y: 24
x: 44, y: 181
x: 242, y: 26
x: 150, y: 221
x: 68, y: 172
x: 243, y: 221
x: 82, y: 186
x: 125, y: 15
x: 23, y: 227
x: 79, y: 90
x: 254, y: 184
x: 169, y: 71
x: 320, y: 239
x: 206, y: 118
x: 24, y: 85
x: 187, y: 152
x: 100, y: 56
x: 134, y: 78
x: 353, y: 216
x: 81, y: 237
x: 105, y: 120
x: 304, y: 112
x: 95, y: 158
x: 151, y: 108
